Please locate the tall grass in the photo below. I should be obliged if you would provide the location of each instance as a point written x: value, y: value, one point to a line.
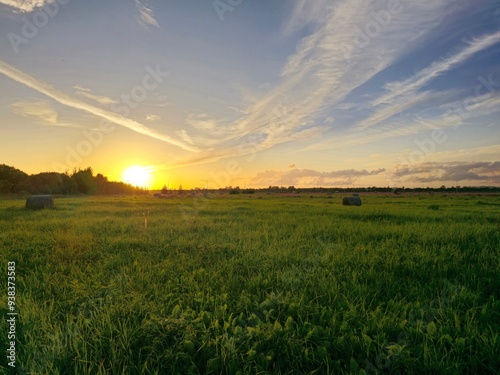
x: 245, y: 285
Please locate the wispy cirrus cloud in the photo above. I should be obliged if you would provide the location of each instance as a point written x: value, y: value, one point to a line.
x: 201, y: 121
x: 87, y: 93
x: 152, y: 117
x: 67, y: 100
x: 401, y: 106
x: 40, y: 110
x: 401, y: 96
x: 211, y: 131
x: 406, y: 94
x: 484, y: 105
x: 317, y: 75
x: 304, y: 14
x: 400, y: 126
x: 146, y: 15
x: 422, y: 78
x: 26, y: 6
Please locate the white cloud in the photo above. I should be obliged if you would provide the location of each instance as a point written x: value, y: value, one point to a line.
x: 183, y: 134
x: 471, y: 107
x: 426, y: 75
x: 398, y: 127
x: 318, y: 74
x: 484, y: 105
x: 303, y: 14
x: 405, y: 95
x: 83, y: 91
x: 40, y: 110
x: 146, y: 14
x: 67, y: 100
x: 201, y: 121
x: 399, y: 107
x: 26, y: 6
x: 153, y: 117
x: 348, y: 106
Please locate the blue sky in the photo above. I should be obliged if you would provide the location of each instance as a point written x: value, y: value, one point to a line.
x: 254, y: 93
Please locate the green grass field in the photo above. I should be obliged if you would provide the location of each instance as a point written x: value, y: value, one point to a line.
x: 254, y: 285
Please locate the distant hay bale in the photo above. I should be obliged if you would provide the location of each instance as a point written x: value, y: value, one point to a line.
x: 38, y: 202
x: 351, y: 201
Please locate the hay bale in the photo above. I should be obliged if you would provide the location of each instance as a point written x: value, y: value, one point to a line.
x: 351, y: 201
x: 38, y: 202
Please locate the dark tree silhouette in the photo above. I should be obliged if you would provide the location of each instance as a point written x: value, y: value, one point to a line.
x: 12, y: 180
x: 84, y: 181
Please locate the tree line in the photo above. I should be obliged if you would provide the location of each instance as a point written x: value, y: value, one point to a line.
x: 81, y: 181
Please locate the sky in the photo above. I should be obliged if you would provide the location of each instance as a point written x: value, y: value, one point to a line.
x: 216, y: 93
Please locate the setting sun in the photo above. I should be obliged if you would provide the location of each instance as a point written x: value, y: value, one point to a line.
x: 137, y: 176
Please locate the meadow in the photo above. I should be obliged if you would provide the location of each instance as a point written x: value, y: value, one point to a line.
x: 254, y: 284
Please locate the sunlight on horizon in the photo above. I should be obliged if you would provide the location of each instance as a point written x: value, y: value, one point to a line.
x: 138, y: 176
